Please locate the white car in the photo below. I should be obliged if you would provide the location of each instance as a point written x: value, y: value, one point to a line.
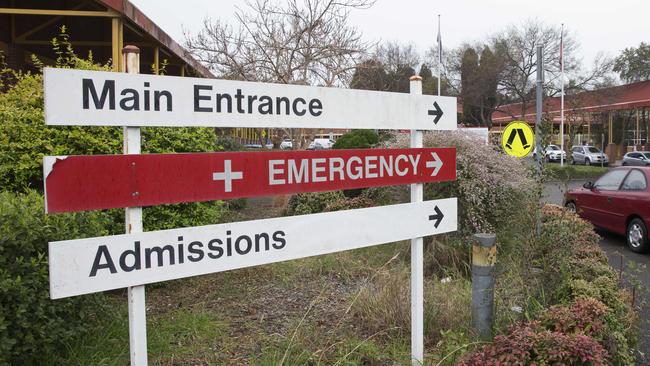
x: 286, y: 144
x: 320, y: 144
x: 553, y: 153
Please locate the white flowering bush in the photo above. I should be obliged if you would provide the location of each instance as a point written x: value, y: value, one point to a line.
x: 495, y: 191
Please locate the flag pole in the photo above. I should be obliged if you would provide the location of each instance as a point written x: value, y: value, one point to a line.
x: 562, y: 96
x: 439, y: 55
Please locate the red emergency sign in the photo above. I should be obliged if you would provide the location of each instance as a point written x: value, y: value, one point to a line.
x: 78, y: 183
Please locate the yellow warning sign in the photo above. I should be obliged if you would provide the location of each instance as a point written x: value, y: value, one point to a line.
x: 518, y: 139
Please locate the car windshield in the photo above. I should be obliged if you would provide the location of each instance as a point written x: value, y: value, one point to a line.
x: 593, y: 150
x: 611, y: 180
x: 553, y: 147
x: 647, y: 155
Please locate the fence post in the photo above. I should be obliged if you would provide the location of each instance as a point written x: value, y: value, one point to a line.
x: 484, y: 255
x: 133, y: 224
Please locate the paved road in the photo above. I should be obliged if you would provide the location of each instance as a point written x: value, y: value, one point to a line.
x: 634, y: 265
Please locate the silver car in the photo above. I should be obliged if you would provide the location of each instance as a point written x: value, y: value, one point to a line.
x: 637, y: 158
x: 588, y: 155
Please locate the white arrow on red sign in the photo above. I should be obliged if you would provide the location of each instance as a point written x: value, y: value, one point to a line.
x: 77, y: 183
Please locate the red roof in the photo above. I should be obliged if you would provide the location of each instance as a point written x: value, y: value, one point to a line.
x: 134, y: 14
x: 623, y: 97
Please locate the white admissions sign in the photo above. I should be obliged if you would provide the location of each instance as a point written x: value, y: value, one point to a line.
x: 104, y: 263
x: 79, y: 97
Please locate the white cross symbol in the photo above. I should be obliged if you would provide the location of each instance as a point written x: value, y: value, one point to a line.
x: 227, y: 176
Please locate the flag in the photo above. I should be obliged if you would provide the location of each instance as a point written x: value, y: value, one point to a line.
x: 439, y: 39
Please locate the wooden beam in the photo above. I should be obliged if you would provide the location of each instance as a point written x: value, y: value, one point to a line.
x: 610, y: 129
x: 81, y: 43
x: 156, y: 60
x: 55, y: 12
x: 74, y: 43
x: 638, y: 130
x: 120, y: 40
x: 115, y: 44
x: 23, y: 37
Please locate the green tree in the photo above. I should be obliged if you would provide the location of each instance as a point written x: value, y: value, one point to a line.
x: 634, y: 63
x: 480, y: 77
x: 369, y: 75
x: 470, y: 89
x: 430, y: 82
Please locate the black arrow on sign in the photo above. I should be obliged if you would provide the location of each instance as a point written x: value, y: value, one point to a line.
x: 437, y: 112
x: 437, y: 217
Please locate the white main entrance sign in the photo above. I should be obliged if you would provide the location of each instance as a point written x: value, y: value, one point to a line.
x: 77, y: 97
x: 98, y: 264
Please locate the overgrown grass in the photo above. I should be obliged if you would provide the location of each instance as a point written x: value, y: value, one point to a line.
x: 192, y: 335
x: 568, y: 172
x: 349, y: 308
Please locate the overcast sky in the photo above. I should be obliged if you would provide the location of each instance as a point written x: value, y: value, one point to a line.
x: 598, y: 25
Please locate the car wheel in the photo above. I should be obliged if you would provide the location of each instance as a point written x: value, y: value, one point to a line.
x: 637, y: 236
x: 587, y: 162
x: 573, y: 161
x: 570, y: 206
x: 624, y: 163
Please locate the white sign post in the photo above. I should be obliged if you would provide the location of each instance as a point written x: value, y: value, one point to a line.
x: 417, y: 256
x: 90, y: 265
x: 133, y: 224
x: 77, y: 97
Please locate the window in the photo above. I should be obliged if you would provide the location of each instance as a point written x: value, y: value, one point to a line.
x: 634, y: 155
x: 593, y: 150
x: 635, y: 181
x: 647, y: 155
x: 610, y: 181
x: 553, y: 147
x: 577, y: 149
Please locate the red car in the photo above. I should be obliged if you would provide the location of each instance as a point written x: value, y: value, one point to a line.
x: 619, y: 201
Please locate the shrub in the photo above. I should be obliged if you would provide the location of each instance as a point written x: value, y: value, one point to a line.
x: 31, y: 325
x: 531, y: 344
x: 585, y: 316
x: 575, y: 276
x: 370, y: 197
x: 493, y: 189
x: 25, y: 139
x: 308, y: 203
x: 357, y: 139
x: 349, y: 204
x: 183, y: 215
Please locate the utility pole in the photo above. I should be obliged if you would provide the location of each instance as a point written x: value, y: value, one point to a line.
x: 538, y: 121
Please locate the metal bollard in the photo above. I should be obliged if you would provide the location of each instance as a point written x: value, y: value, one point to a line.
x: 484, y: 255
